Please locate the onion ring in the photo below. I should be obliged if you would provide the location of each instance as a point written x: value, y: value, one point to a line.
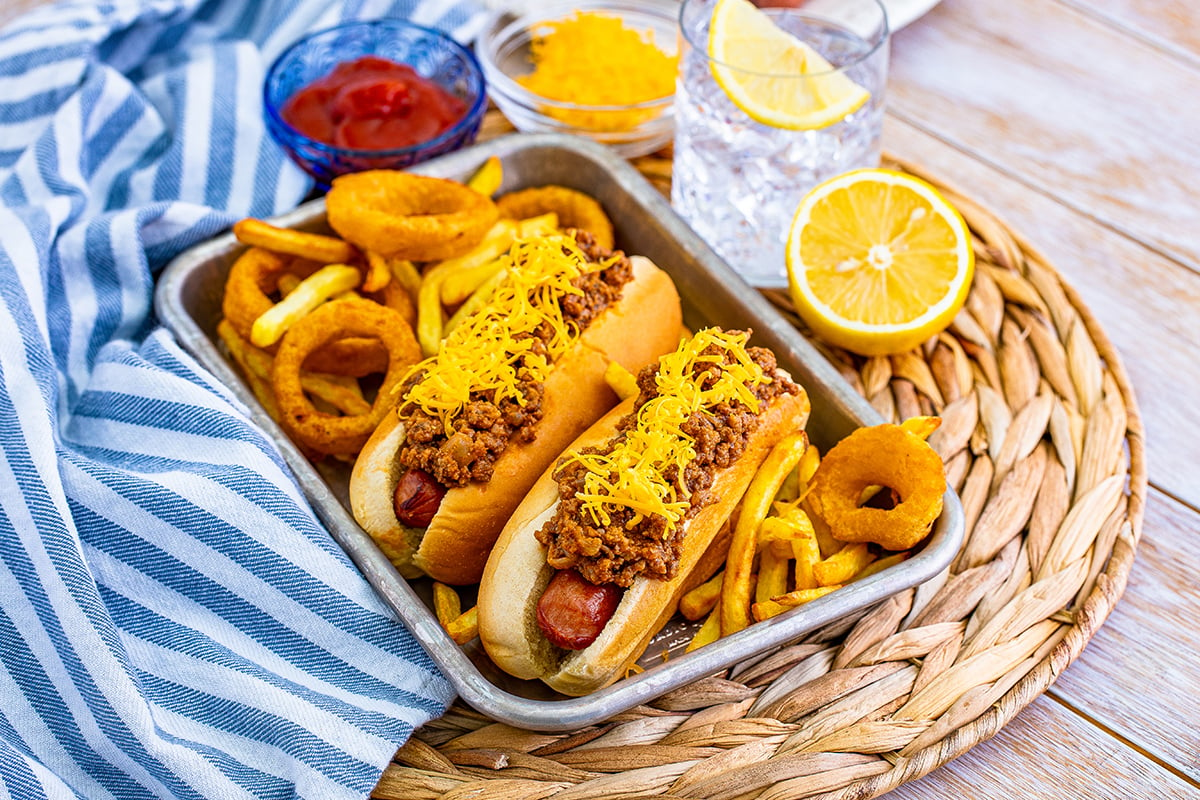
x: 252, y: 277
x: 255, y: 275
x: 401, y: 215
x: 351, y: 317
x: 574, y: 210
x: 887, y: 456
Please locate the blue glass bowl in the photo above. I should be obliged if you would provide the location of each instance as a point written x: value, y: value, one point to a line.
x: 433, y: 54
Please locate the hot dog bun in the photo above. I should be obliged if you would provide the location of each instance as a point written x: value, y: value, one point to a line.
x: 517, y: 573
x: 641, y: 326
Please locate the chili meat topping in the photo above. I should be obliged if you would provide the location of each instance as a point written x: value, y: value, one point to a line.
x: 466, y: 448
x: 630, y: 543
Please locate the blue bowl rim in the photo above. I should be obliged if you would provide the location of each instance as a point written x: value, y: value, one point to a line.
x: 474, y: 113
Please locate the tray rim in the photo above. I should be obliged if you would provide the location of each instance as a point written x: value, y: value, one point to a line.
x: 570, y: 713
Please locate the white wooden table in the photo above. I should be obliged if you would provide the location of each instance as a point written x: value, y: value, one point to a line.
x: 1077, y: 121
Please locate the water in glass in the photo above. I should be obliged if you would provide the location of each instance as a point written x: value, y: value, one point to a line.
x: 737, y: 181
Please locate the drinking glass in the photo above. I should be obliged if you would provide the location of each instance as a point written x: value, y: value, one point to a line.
x: 738, y: 181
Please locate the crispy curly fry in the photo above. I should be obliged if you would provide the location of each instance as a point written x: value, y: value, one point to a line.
x: 880, y: 455
x: 574, y: 209
x: 403, y: 215
x: 315, y: 246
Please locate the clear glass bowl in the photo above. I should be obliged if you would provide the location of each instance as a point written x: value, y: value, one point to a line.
x: 433, y: 54
x: 503, y: 47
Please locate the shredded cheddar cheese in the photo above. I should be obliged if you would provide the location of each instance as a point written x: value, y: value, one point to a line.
x: 631, y: 474
x: 496, y: 350
x: 593, y: 59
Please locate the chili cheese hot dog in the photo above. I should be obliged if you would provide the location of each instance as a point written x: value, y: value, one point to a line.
x: 592, y: 563
x: 512, y: 386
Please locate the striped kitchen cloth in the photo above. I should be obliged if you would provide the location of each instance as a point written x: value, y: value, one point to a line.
x: 174, y: 622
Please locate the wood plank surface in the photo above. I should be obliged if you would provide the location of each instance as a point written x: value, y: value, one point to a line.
x: 1049, y: 753
x: 1071, y: 106
x: 1173, y: 25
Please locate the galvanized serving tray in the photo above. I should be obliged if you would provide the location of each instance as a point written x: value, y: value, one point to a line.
x: 188, y: 301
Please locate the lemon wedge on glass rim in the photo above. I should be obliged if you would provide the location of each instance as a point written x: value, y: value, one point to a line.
x: 878, y: 261
x: 774, y: 77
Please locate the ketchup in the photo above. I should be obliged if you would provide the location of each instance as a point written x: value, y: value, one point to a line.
x: 373, y: 103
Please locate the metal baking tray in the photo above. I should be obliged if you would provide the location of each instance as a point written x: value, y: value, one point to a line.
x: 188, y: 301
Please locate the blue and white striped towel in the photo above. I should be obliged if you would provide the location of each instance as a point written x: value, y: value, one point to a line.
x: 174, y: 622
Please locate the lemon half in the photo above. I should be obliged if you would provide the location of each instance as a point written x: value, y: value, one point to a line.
x: 878, y: 261
x: 774, y: 77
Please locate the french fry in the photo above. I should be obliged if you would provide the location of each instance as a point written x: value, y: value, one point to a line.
x: 488, y: 177
x: 459, y: 285
x: 825, y: 540
x: 465, y: 626
x: 475, y: 302
x: 806, y: 553
x: 843, y: 565
x: 790, y: 490
x: 620, y: 380
x: 708, y: 633
x: 541, y: 225
x: 406, y: 273
x: 241, y: 352
x: 772, y: 574
x: 318, y: 247
x: 465, y: 280
x: 786, y: 602
x: 447, y: 605
x: 880, y: 564
x: 314, y: 290
x: 735, y: 592
x: 808, y: 467
x: 340, y: 391
x: 379, y: 273
x: 703, y: 599
x: 430, y: 317
x: 786, y: 524
x: 921, y: 426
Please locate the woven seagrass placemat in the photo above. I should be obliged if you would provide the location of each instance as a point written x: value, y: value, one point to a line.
x: 1042, y: 439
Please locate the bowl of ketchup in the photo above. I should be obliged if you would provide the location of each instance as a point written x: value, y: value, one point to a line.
x: 383, y: 94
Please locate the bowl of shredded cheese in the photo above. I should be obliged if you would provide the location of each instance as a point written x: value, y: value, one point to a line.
x: 605, y: 70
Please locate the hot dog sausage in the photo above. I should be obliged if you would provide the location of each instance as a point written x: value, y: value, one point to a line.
x: 417, y: 497
x: 572, y: 611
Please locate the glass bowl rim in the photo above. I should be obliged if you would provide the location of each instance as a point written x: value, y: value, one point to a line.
x: 507, y: 88
x: 884, y: 34
x: 475, y: 111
